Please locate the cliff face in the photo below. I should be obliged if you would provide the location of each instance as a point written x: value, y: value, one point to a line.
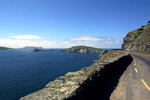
x: 83, y: 49
x: 81, y: 84
x: 138, y: 40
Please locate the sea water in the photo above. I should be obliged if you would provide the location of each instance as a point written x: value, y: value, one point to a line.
x: 24, y: 72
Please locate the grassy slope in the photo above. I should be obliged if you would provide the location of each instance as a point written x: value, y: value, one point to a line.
x: 144, y: 29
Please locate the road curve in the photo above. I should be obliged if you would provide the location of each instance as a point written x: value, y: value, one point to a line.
x: 134, y: 84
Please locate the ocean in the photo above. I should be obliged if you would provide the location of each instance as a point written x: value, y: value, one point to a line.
x: 24, y: 72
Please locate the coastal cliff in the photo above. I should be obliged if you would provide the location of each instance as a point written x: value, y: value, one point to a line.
x: 83, y: 49
x: 76, y: 85
x: 138, y: 40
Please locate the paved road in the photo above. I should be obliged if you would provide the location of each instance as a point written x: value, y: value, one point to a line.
x: 135, y: 82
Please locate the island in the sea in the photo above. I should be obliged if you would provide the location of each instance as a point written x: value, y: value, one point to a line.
x: 31, y: 48
x: 83, y: 49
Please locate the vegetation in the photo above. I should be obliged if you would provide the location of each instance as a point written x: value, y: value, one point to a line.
x: 83, y: 49
x: 108, y: 55
x: 139, y: 30
x: 144, y: 31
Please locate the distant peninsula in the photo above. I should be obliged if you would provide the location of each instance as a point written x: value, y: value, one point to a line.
x: 83, y: 49
x: 4, y: 48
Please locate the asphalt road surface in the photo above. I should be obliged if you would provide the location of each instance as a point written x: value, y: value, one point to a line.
x: 135, y: 82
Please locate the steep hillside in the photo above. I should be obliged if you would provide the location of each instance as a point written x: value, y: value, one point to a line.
x: 138, y: 40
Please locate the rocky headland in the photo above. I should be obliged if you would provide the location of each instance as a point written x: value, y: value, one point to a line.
x: 83, y: 84
x: 138, y: 40
x: 83, y: 49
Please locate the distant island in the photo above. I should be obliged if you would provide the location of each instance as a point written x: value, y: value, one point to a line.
x: 31, y: 48
x: 83, y: 49
x: 4, y: 48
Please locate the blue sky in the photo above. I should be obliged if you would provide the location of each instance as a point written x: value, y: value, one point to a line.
x: 66, y: 23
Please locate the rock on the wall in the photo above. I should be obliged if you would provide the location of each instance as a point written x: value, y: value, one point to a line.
x: 138, y: 40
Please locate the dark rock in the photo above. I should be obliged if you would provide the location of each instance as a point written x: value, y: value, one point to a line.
x: 148, y: 23
x: 37, y: 50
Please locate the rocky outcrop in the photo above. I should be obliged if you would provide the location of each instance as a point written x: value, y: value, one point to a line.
x: 73, y: 85
x: 138, y: 40
x: 37, y: 50
x: 83, y: 49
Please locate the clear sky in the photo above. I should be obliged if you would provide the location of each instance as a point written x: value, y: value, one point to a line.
x: 66, y: 23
